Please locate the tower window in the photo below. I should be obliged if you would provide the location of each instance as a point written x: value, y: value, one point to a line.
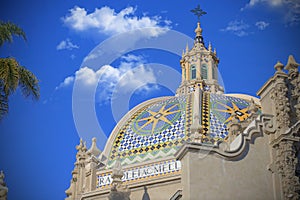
x: 215, y: 73
x: 204, y: 72
x: 193, y: 72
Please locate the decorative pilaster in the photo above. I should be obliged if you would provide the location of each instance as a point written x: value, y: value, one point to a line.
x: 284, y: 92
x: 196, y: 128
x: 294, y: 78
x: 286, y: 163
x: 3, y: 188
x: 279, y: 97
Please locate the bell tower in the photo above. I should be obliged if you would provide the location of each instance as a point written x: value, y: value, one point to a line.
x: 199, y: 65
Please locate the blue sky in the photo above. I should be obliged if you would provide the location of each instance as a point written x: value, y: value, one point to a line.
x: 38, y: 139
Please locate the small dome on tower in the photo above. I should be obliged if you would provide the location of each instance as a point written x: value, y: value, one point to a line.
x: 198, y: 30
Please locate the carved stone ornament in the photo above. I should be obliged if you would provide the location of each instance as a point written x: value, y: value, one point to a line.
x: 234, y: 128
x: 285, y: 163
x: 292, y: 67
x: 77, y: 186
x: 3, y: 188
x: 119, y: 191
x: 279, y: 96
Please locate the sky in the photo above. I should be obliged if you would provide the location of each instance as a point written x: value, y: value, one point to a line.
x: 98, y: 59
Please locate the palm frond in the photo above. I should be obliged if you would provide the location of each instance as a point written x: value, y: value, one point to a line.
x: 9, y: 74
x: 3, y: 102
x: 7, y: 30
x: 28, y: 83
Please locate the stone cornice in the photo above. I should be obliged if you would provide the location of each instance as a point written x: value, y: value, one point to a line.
x: 270, y: 82
x: 290, y: 134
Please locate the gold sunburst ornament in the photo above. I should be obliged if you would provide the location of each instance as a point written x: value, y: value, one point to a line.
x: 156, y: 116
x: 242, y: 114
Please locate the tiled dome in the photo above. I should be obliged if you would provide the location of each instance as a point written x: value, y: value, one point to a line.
x: 159, y: 127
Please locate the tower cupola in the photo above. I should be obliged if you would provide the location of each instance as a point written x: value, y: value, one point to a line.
x: 199, y: 65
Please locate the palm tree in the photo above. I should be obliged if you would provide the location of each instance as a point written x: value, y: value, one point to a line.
x: 12, y: 75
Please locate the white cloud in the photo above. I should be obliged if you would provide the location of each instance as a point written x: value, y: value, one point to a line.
x: 87, y: 76
x: 236, y: 27
x: 107, y: 21
x: 289, y: 8
x: 133, y: 58
x: 66, y: 44
x: 68, y: 81
x: 269, y: 2
x: 262, y: 25
x: 292, y: 15
x: 130, y: 74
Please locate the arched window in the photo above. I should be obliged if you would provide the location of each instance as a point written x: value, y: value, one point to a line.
x: 215, y: 73
x: 204, y: 72
x: 193, y: 72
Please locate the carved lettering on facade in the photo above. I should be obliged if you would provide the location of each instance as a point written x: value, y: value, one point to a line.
x: 143, y: 172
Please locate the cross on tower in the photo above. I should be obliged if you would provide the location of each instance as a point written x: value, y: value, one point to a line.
x: 198, y: 12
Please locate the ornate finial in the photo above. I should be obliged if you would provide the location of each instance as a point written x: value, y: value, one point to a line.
x: 80, y: 145
x: 187, y: 48
x: 84, y: 147
x: 117, y: 172
x: 94, y: 149
x: 292, y: 65
x: 198, y: 30
x: 209, y: 46
x: 279, y: 66
x: 198, y: 12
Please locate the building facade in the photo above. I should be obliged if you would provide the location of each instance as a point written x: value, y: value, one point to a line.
x: 200, y: 143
